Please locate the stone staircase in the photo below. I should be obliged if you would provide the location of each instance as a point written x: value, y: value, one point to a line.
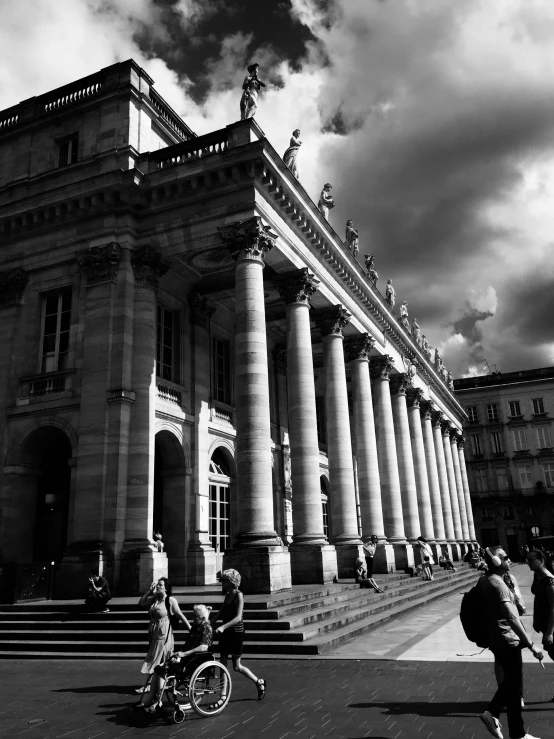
x: 309, y: 620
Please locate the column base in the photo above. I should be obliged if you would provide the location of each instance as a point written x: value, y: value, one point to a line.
x: 383, y: 561
x: 437, y: 548
x: 312, y: 563
x: 262, y: 569
x: 347, y: 554
x: 201, y: 565
x: 403, y: 556
x: 71, y: 579
x: 138, y: 570
x: 455, y: 549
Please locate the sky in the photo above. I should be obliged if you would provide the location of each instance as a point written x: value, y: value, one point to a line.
x: 432, y: 119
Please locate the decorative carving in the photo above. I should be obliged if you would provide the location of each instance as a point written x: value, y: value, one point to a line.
x: 400, y: 383
x: 201, y: 310
x: 416, y: 332
x: 297, y: 286
x: 326, y: 202
x: 280, y: 359
x: 287, y: 469
x: 248, y: 239
x: 426, y: 408
x: 12, y: 286
x: 332, y: 320
x: 100, y: 263
x: 436, y: 416
x: 250, y: 87
x: 414, y: 397
x: 450, y: 380
x: 352, y: 239
x: 390, y: 294
x: 455, y: 435
x: 461, y: 441
x: 148, y: 266
x: 381, y: 367
x: 371, y: 270
x: 289, y: 157
x: 404, y: 315
x: 426, y: 346
x: 358, y: 347
x: 446, y: 427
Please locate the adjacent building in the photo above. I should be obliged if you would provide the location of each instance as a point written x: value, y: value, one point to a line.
x: 187, y: 347
x: 510, y: 454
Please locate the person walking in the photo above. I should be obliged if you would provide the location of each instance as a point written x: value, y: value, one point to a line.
x: 507, y: 637
x: 231, y: 631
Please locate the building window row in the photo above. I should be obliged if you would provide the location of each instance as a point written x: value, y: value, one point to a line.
x: 523, y: 477
x: 514, y: 410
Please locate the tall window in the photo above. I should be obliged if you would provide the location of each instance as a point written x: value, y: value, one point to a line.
x: 221, y: 370
x: 56, y: 323
x: 476, y: 446
x: 472, y: 413
x: 525, y: 476
x: 68, y: 150
x: 320, y: 416
x: 220, y: 494
x: 501, y: 478
x: 481, y: 480
x: 166, y: 344
x: 519, y: 437
x: 543, y: 437
x: 508, y: 513
x: 515, y: 409
x: 487, y: 514
x: 548, y: 475
x: 538, y: 405
x: 492, y: 412
x: 496, y: 442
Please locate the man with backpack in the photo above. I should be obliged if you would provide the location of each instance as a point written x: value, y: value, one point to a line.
x: 506, y: 637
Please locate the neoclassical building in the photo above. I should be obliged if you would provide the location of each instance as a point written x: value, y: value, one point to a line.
x: 188, y: 347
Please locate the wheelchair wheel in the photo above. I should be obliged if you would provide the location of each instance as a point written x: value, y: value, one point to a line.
x: 178, y: 716
x: 210, y: 688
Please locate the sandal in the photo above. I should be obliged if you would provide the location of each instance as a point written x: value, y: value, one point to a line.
x: 260, y: 685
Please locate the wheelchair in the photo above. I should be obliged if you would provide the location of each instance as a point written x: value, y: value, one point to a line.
x: 198, y: 682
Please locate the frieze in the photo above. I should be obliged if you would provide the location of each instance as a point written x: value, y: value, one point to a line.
x: 358, y: 347
x: 100, y: 263
x: 332, y: 320
x: 297, y: 286
x: 12, y: 286
x: 148, y: 266
x: 248, y: 239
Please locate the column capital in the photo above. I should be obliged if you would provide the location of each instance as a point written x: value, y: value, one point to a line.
x: 100, y: 263
x: 12, y: 285
x: 248, y: 240
x: 400, y: 383
x: 414, y: 397
x: 297, y: 286
x: 436, y: 417
x: 201, y: 310
x: 358, y: 347
x: 332, y: 320
x: 148, y: 266
x: 461, y: 440
x: 446, y: 427
x: 380, y: 367
x: 280, y: 359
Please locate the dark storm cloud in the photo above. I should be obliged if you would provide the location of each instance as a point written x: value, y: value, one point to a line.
x: 531, y: 310
x: 467, y: 324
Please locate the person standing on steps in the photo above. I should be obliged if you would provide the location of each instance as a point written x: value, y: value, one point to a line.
x: 231, y: 631
x: 506, y: 638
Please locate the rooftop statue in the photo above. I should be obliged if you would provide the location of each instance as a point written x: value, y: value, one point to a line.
x: 370, y: 266
x: 450, y: 380
x: 416, y: 332
x: 250, y: 87
x: 352, y: 239
x: 404, y: 315
x: 289, y: 157
x: 390, y: 294
x: 326, y: 202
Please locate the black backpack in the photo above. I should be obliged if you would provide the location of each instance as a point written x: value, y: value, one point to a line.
x: 473, y: 617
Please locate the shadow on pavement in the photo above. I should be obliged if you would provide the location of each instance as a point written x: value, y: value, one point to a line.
x: 435, y: 708
x: 118, y: 690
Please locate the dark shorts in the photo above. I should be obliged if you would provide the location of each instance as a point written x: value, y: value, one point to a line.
x: 230, y: 643
x: 369, y: 566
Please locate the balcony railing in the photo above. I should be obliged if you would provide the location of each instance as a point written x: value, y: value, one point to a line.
x: 172, y: 120
x: 222, y: 412
x: 80, y: 90
x: 51, y: 383
x: 197, y: 148
x: 170, y: 392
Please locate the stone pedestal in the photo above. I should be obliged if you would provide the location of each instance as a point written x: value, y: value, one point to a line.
x: 140, y: 569
x: 262, y: 569
x: 384, y: 561
x: 404, y: 556
x: 313, y: 563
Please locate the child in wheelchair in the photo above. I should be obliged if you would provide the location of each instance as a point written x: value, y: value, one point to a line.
x: 172, y: 672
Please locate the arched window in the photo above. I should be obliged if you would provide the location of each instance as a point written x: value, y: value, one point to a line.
x: 220, y: 514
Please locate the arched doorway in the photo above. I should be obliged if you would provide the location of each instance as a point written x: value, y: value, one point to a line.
x: 220, y: 505
x: 39, y: 501
x: 169, y: 514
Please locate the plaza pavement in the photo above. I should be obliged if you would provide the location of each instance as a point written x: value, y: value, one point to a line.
x: 404, y: 681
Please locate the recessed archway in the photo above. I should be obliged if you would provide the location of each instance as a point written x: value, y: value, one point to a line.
x: 169, y: 515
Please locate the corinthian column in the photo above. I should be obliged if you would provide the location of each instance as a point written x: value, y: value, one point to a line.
x: 388, y: 466
x: 258, y: 553
x: 356, y: 351
x: 436, y: 419
x: 459, y: 487
x: 467, y: 497
x: 398, y: 387
x: 425, y: 408
x: 344, y: 525
x: 313, y: 560
x: 446, y: 428
x: 413, y: 398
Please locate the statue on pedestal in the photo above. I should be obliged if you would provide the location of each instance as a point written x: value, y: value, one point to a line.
x: 326, y: 202
x: 450, y: 380
x: 404, y: 315
x: 390, y: 295
x: 370, y: 266
x: 289, y: 157
x: 416, y: 332
x: 352, y: 238
x: 425, y: 346
x: 250, y: 87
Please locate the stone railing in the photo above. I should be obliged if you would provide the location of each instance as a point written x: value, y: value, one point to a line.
x: 197, y: 148
x: 9, y: 118
x: 170, y: 392
x: 38, y: 386
x: 222, y: 412
x: 72, y: 93
x: 172, y: 120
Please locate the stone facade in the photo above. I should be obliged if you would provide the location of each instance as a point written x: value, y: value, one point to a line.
x: 183, y: 335
x: 510, y: 455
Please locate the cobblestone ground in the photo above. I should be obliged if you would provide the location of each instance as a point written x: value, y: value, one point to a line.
x: 310, y: 698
